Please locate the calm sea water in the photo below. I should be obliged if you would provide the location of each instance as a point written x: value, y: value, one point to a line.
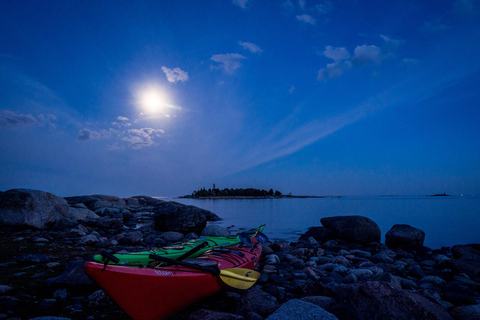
x: 446, y: 221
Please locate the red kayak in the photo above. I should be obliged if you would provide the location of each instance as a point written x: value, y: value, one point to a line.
x: 149, y: 293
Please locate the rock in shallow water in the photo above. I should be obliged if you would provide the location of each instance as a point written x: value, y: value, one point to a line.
x: 353, y: 228
x: 404, y: 235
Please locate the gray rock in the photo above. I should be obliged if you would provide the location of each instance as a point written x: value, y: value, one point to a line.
x: 31, y: 208
x: 5, y: 289
x: 50, y: 318
x: 75, y: 214
x: 106, y: 223
x: 321, y: 301
x: 173, y: 216
x: 298, y: 309
x: 203, y: 314
x: 172, y: 236
x: 466, y: 252
x: 132, y: 238
x: 257, y: 301
x: 404, y: 235
x: 88, y: 240
x: 72, y: 276
x: 353, y: 228
x: 436, y: 281
x: 471, y: 268
x: 214, y: 230
x: 321, y: 234
x: 272, y: 259
x: 35, y: 258
x: 467, y: 312
x: 378, y: 300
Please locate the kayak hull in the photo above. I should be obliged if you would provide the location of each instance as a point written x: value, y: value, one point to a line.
x: 154, y: 293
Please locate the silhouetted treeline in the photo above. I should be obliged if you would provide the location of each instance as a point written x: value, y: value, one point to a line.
x: 249, y: 192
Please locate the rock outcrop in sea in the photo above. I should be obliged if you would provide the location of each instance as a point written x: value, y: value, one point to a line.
x: 339, y: 270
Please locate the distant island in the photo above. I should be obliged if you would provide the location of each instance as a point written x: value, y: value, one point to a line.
x: 248, y: 193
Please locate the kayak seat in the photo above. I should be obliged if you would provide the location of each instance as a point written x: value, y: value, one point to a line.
x: 202, y: 262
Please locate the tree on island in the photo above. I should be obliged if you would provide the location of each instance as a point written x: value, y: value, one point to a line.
x: 249, y: 192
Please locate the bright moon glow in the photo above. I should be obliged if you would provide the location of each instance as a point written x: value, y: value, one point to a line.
x: 153, y: 100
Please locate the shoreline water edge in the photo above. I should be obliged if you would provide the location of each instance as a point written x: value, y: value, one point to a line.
x: 340, y: 270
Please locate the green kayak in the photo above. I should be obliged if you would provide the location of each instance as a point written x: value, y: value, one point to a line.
x: 189, y: 249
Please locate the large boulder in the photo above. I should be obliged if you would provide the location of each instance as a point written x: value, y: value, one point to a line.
x: 298, y: 309
x: 31, y: 208
x: 174, y: 216
x: 356, y: 229
x: 381, y: 300
x: 402, y: 235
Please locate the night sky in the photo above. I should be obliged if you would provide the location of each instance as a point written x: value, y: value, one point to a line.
x: 306, y: 97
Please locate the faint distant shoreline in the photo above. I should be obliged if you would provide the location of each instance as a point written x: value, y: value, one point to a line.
x: 254, y: 197
x: 213, y: 197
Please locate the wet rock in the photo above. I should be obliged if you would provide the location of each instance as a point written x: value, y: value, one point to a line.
x: 403, y: 235
x: 298, y: 309
x: 353, y: 228
x: 214, y: 230
x: 31, y: 208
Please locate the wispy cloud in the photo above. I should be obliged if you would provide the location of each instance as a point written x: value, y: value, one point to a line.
x: 175, y: 74
x: 229, y: 61
x: 466, y: 7
x: 434, y: 27
x: 362, y: 55
x: 143, y: 137
x: 14, y: 119
x: 123, y: 134
x: 324, y: 8
x: 284, y: 140
x: 250, y: 47
x: 341, y: 63
x: 306, y: 18
x: 240, y: 3
x: 365, y: 54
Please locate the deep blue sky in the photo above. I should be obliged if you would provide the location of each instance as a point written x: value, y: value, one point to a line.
x: 309, y: 97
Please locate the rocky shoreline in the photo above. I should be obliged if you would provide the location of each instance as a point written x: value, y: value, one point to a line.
x: 339, y: 270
